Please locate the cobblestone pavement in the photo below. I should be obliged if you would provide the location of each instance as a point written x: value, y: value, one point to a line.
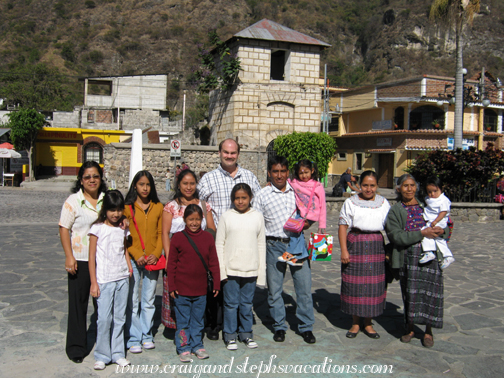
x: 33, y: 307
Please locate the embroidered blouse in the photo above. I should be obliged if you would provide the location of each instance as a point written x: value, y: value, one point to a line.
x: 177, y: 211
x: 365, y: 215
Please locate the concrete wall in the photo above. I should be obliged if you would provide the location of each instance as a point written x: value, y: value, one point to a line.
x: 156, y: 159
x: 66, y: 119
x: 141, y: 92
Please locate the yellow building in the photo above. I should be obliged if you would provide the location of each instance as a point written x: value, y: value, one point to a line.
x: 61, y: 151
x: 385, y: 126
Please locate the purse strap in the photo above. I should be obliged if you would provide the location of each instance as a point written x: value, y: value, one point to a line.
x: 196, y: 249
x: 311, y: 200
x: 136, y: 228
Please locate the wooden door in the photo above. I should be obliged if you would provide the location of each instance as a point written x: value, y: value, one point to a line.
x: 386, y: 170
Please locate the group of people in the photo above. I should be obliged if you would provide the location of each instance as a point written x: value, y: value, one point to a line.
x: 411, y: 236
x: 221, y: 238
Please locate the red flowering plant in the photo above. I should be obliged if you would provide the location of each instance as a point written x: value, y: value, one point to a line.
x: 466, y: 174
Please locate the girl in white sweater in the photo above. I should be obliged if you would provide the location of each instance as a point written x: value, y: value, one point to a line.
x: 241, y: 247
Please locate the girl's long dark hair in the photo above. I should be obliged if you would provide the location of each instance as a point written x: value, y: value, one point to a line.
x: 113, y: 199
x: 132, y: 193
x: 307, y: 164
x: 178, y: 193
x: 89, y: 164
x: 191, y: 209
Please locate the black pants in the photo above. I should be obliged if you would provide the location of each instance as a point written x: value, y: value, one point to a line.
x: 78, y: 298
x: 214, y: 316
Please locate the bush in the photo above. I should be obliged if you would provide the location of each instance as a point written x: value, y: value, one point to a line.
x: 67, y: 51
x: 96, y: 56
x: 90, y: 4
x: 460, y: 171
x: 317, y: 147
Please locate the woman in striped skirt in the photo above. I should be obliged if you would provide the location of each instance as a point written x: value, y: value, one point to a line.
x: 363, y: 287
x: 421, y: 284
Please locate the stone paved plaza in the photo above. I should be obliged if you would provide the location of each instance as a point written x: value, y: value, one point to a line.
x: 33, y: 307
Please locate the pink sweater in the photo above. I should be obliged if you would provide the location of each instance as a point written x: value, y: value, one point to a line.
x: 317, y: 212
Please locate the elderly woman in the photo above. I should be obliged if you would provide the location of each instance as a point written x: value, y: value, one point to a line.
x: 79, y: 211
x: 421, y: 284
x: 363, y: 287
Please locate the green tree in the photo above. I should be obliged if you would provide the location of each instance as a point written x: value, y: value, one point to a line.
x: 25, y: 125
x: 317, y: 147
x: 455, y: 15
x: 38, y: 86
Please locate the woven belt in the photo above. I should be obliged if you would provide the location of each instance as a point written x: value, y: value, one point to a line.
x: 358, y: 231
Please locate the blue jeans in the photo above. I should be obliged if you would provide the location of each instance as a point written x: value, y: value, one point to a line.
x: 139, y: 321
x: 111, y: 313
x: 301, y: 276
x: 297, y: 245
x: 167, y: 185
x: 189, y: 312
x: 238, y: 293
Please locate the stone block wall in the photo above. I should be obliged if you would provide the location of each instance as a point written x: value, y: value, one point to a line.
x: 156, y: 159
x: 259, y: 109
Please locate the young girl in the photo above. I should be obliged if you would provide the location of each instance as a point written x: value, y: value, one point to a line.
x: 436, y: 214
x: 109, y: 270
x: 305, y: 186
x: 187, y: 280
x: 241, y: 247
x: 173, y: 221
x: 143, y: 209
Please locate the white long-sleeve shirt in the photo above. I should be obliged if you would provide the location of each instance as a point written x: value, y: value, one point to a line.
x: 241, y: 245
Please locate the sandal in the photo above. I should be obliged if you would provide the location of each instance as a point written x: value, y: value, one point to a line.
x: 286, y: 257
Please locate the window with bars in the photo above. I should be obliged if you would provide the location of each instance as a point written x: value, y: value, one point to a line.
x: 93, y: 152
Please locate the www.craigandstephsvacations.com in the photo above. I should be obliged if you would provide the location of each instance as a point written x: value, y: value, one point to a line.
x: 247, y: 367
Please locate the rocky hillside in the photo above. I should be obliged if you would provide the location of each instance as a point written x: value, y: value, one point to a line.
x: 372, y: 40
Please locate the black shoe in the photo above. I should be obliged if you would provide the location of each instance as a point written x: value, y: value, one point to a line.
x: 374, y: 335
x: 77, y: 360
x: 279, y: 336
x: 351, y: 335
x: 308, y: 337
x: 213, y: 335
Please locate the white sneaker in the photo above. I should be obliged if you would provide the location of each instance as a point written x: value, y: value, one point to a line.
x: 122, y: 362
x: 231, y: 345
x: 99, y: 365
x: 135, y: 349
x: 250, y: 343
x: 426, y: 257
x: 446, y: 262
x: 148, y: 345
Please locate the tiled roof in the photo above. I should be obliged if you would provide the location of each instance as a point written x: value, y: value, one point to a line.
x: 271, y: 31
x: 394, y: 132
x: 426, y: 144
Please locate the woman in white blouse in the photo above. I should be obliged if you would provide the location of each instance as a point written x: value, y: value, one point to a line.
x: 79, y: 211
x: 363, y: 286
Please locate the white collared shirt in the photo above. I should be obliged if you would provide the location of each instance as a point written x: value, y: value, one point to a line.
x: 276, y: 207
x: 77, y: 215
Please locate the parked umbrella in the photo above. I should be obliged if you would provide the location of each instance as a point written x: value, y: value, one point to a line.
x: 9, y: 154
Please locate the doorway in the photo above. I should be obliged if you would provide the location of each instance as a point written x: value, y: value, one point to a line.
x: 386, y: 170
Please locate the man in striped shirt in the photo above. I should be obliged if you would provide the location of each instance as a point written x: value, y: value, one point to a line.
x: 215, y: 186
x: 277, y: 202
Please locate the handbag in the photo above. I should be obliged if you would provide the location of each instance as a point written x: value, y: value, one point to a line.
x: 297, y: 224
x: 161, y: 263
x: 320, y: 247
x: 210, y: 280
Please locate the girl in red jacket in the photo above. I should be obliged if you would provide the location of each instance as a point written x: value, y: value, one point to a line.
x: 187, y: 280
